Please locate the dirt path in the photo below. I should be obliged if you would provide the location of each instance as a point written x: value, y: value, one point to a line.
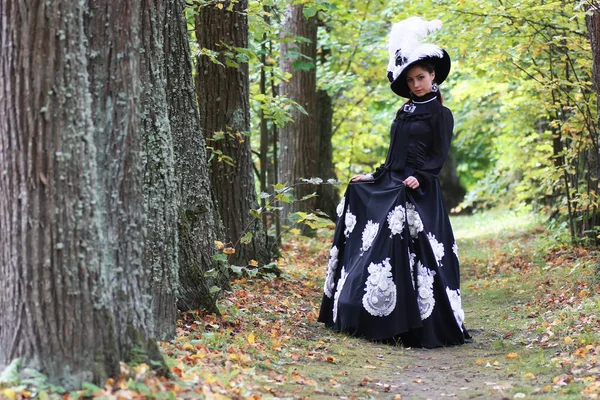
x: 360, y: 369
x: 349, y: 368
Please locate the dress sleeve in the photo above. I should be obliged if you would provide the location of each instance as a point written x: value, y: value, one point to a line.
x: 443, y: 126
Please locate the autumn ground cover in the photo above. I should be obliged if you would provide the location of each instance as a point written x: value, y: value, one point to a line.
x: 531, y: 304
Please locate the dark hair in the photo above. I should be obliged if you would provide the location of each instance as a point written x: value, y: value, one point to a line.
x: 431, y: 69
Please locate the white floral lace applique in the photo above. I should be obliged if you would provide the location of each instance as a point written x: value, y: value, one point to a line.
x: 437, y: 247
x: 369, y: 234
x: 350, y: 222
x: 425, y: 298
x: 411, y: 262
x: 396, y: 219
x: 415, y: 225
x: 336, y: 298
x: 380, y: 297
x: 456, y: 303
x: 331, y: 267
x: 455, y: 250
x: 340, y: 208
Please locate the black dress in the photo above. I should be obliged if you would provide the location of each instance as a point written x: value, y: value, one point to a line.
x: 393, y: 269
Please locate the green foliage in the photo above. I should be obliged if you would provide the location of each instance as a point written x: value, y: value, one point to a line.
x: 520, y: 91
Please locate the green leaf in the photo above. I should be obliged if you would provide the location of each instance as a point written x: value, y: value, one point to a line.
x: 247, y: 238
x: 90, y: 388
x: 309, y: 196
x: 237, y: 269
x: 309, y: 11
x: 279, y: 187
x: 214, y: 289
x: 10, y: 375
x: 301, y: 65
x: 256, y: 213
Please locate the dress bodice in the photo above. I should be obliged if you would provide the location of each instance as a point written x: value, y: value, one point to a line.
x: 420, y: 137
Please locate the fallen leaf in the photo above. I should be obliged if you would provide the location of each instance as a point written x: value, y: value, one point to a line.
x: 251, y: 338
x: 512, y: 355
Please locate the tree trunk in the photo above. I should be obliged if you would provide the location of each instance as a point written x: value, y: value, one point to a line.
x: 74, y: 295
x: 328, y: 196
x: 223, y: 96
x: 199, y: 221
x: 299, y: 141
x: 593, y: 25
x: 161, y: 198
x: 452, y: 190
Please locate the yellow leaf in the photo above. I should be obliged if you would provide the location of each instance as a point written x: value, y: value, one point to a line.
x: 219, y: 245
x: 529, y: 375
x: 253, y: 263
x: 479, y: 361
x: 9, y: 394
x: 512, y: 355
x: 568, y: 339
x: 220, y: 6
x: 295, y: 231
x: 229, y: 251
x: 251, y: 338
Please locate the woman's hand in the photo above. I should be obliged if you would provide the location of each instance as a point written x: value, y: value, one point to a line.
x: 365, y: 177
x: 411, y: 182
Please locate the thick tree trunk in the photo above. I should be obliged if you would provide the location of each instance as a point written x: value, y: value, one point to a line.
x: 299, y: 141
x: 223, y: 96
x: 115, y: 88
x: 328, y: 196
x: 161, y: 198
x: 74, y: 294
x: 199, y: 221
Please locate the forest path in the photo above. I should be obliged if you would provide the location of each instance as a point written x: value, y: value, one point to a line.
x: 530, y: 305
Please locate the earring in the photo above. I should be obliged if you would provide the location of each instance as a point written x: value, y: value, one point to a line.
x: 435, y: 87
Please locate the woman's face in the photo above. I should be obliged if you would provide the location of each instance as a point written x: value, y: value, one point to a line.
x: 419, y: 80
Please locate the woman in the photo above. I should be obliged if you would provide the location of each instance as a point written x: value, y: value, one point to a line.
x: 393, y: 268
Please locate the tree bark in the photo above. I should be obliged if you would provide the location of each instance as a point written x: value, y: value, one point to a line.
x: 299, y: 141
x: 452, y: 190
x: 74, y: 293
x: 115, y: 88
x: 593, y: 24
x: 223, y: 96
x: 161, y: 198
x: 199, y: 220
x: 328, y: 196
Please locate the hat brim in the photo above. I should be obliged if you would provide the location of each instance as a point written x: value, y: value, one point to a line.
x: 441, y: 66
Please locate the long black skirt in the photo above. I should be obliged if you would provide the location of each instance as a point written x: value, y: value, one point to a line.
x: 393, y: 271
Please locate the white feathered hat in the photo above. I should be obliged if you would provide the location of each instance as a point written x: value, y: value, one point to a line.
x: 405, y: 49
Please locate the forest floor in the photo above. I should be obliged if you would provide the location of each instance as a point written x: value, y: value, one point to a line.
x: 532, y: 306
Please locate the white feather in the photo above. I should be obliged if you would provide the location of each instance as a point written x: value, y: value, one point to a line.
x: 424, y: 50
x: 405, y: 36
